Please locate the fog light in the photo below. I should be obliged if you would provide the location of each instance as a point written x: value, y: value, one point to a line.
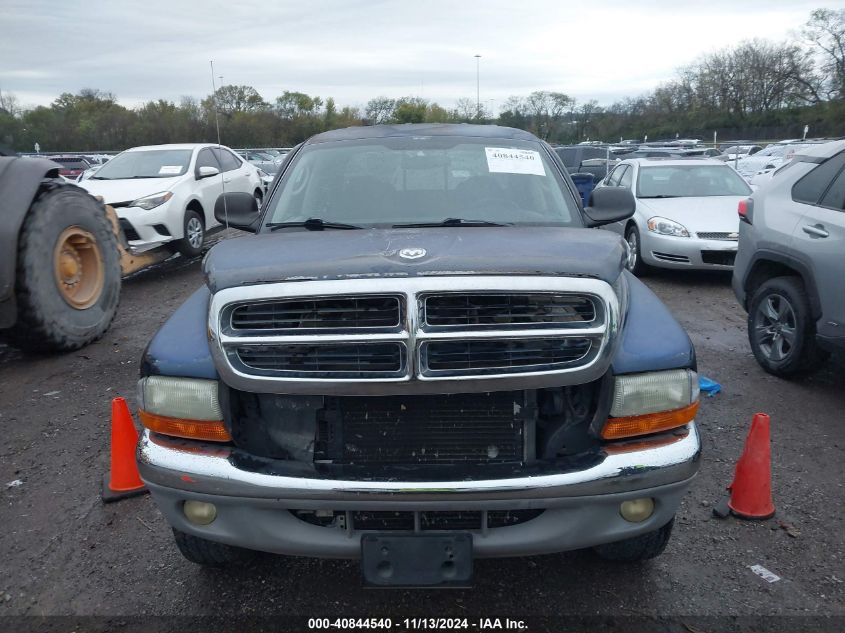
x: 637, y: 510
x: 201, y: 513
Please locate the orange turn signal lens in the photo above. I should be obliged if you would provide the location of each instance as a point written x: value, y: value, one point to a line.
x: 632, y: 426
x: 210, y: 430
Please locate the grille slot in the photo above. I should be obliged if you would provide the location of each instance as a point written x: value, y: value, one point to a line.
x: 318, y: 313
x: 508, y: 309
x: 348, y: 360
x: 451, y: 429
x: 428, y: 520
x: 720, y: 258
x: 503, y: 355
x: 669, y: 257
x: 728, y: 237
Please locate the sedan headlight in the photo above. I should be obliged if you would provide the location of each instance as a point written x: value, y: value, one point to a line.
x: 182, y: 407
x: 667, y: 227
x: 153, y: 201
x: 652, y: 402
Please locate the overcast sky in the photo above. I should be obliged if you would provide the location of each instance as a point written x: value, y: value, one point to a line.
x: 354, y: 50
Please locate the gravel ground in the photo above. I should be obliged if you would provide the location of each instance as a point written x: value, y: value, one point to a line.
x: 65, y: 553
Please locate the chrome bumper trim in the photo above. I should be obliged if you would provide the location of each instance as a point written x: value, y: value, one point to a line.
x: 214, y: 473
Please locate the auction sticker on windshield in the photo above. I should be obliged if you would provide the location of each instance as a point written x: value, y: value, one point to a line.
x: 170, y: 170
x: 506, y: 160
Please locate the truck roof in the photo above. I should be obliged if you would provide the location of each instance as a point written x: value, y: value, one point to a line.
x: 422, y: 129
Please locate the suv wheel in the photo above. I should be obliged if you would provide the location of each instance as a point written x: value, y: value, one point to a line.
x: 781, y: 329
x: 209, y: 553
x: 635, y: 262
x: 191, y: 244
x: 638, y: 548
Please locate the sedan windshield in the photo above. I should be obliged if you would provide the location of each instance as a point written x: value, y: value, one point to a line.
x: 682, y: 181
x: 153, y: 163
x: 425, y: 181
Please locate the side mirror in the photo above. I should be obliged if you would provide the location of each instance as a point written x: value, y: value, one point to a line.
x: 206, y: 171
x: 609, y: 204
x: 238, y: 210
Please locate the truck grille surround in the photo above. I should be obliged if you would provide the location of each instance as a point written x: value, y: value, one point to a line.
x: 382, y: 336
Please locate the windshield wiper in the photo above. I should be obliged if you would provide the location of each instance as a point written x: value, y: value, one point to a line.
x: 662, y: 195
x: 312, y: 224
x: 451, y: 222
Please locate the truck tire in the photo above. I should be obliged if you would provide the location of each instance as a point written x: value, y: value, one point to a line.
x: 781, y: 330
x: 194, y: 235
x: 209, y: 553
x: 71, y: 301
x: 638, y: 548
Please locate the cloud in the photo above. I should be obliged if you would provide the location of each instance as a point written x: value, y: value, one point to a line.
x: 357, y: 49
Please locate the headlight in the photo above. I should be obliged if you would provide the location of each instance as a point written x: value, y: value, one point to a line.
x: 153, y: 201
x: 182, y: 407
x: 667, y: 227
x: 652, y: 402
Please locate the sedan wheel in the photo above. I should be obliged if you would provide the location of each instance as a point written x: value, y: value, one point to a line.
x: 191, y: 244
x: 634, y: 263
x: 194, y: 232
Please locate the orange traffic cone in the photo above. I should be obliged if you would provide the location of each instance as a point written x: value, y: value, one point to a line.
x: 123, y: 481
x: 751, y: 490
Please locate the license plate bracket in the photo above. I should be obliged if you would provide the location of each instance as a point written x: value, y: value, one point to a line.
x: 417, y: 560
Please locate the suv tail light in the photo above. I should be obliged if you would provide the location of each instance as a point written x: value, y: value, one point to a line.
x: 745, y: 209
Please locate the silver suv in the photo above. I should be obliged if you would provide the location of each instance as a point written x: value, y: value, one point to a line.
x: 791, y: 262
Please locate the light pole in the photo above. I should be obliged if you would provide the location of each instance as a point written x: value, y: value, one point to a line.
x: 477, y: 86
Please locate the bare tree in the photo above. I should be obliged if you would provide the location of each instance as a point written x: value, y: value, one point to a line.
x: 826, y: 30
x: 9, y: 102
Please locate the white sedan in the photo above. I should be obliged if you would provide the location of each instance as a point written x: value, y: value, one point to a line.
x: 165, y: 194
x: 686, y: 214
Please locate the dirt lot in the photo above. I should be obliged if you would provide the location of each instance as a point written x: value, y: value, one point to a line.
x: 64, y: 552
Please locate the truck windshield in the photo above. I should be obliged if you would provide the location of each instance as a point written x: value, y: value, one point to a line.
x: 424, y: 180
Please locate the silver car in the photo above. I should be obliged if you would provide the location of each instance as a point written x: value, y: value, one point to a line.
x: 791, y: 262
x: 686, y: 212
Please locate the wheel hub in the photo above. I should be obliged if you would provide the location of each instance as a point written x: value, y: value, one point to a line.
x: 78, y: 268
x: 775, y: 324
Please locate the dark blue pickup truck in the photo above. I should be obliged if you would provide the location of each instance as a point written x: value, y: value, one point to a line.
x: 423, y: 356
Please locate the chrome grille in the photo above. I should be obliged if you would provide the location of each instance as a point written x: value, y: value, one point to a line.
x: 729, y: 237
x: 508, y: 309
x: 317, y: 313
x: 482, y: 356
x: 418, y: 335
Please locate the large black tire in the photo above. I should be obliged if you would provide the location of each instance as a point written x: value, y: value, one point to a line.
x: 209, y: 553
x: 781, y: 330
x: 194, y: 235
x: 635, y: 263
x: 47, y: 319
x: 638, y: 548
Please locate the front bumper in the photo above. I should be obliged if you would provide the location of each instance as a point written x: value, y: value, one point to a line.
x: 146, y: 223
x: 666, y: 251
x: 253, y: 508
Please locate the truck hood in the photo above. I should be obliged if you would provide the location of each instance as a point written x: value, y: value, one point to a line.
x: 341, y: 254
